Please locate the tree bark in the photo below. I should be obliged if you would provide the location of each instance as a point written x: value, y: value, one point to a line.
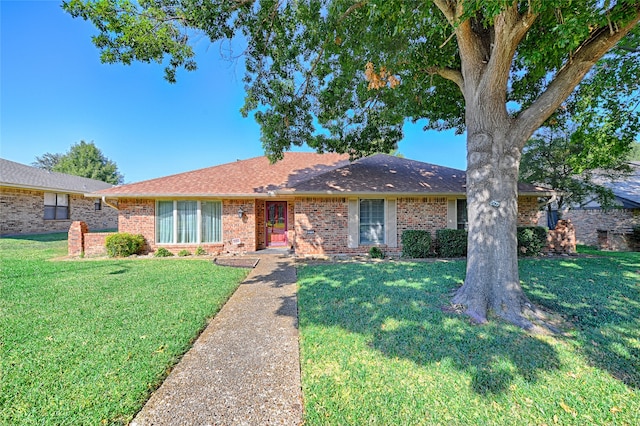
x: 492, y: 281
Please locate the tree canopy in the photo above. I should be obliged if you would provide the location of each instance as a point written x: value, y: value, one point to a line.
x: 344, y: 76
x: 82, y: 159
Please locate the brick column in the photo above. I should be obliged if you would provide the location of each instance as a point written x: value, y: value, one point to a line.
x: 76, y: 238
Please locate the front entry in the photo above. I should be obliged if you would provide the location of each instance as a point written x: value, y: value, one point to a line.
x: 276, y: 223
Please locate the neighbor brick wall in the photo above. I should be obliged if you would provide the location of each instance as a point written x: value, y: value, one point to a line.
x: 587, y: 222
x: 22, y: 212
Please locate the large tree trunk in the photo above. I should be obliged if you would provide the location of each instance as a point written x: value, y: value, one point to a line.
x: 492, y: 282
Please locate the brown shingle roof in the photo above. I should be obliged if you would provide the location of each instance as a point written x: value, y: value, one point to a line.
x: 308, y: 173
x: 387, y: 174
x: 244, y: 177
x: 22, y: 176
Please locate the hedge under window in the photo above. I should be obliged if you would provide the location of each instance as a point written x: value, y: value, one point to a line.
x: 185, y: 222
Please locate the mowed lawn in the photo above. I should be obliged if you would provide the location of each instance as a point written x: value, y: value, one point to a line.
x: 379, y: 345
x: 87, y: 341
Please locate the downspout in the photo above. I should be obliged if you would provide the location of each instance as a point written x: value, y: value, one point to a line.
x: 104, y: 201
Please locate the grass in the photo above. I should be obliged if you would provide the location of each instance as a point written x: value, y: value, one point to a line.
x: 86, y: 342
x: 377, y: 347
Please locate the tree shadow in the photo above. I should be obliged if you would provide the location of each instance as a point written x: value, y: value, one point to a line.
x: 398, y: 307
x: 600, y: 298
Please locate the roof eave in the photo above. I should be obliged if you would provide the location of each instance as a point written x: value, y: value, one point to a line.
x: 42, y: 188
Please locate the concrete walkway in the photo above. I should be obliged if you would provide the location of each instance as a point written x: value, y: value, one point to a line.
x: 244, y: 369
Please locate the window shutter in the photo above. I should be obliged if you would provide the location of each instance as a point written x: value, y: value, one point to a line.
x: 391, y: 225
x: 354, y: 223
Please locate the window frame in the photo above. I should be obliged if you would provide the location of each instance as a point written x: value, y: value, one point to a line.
x: 382, y: 232
x: 175, y: 222
x: 57, y: 207
x: 462, y: 220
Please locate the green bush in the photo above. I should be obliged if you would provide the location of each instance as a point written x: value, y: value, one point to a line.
x: 416, y: 243
x: 531, y: 240
x: 162, y: 252
x: 124, y: 244
x: 451, y: 242
x: 184, y: 253
x: 200, y: 251
x: 376, y: 253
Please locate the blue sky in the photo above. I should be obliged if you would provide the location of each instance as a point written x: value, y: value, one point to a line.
x: 54, y: 92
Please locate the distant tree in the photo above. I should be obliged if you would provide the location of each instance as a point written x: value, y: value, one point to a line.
x: 584, y: 139
x: 47, y: 161
x: 82, y: 159
x: 634, y: 155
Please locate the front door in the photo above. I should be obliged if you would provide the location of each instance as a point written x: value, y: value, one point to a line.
x: 276, y: 223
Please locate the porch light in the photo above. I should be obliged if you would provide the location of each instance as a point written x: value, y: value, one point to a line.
x: 240, y: 213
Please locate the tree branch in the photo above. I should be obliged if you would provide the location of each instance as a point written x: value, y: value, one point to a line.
x: 448, y: 73
x: 570, y: 75
x: 447, y: 10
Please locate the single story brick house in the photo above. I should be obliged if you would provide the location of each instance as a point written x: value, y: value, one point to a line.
x: 591, y: 219
x: 34, y: 200
x: 313, y: 203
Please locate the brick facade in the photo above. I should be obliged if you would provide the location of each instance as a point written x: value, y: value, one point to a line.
x: 315, y: 225
x: 22, y: 212
x: 528, y: 211
x: 587, y: 222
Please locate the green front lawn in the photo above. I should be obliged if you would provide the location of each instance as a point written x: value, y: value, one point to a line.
x: 86, y: 342
x: 379, y: 346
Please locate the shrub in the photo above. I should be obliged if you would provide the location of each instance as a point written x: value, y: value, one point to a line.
x: 531, y: 240
x: 416, y: 243
x: 451, y: 242
x: 200, y: 251
x: 124, y: 244
x: 162, y: 252
x: 376, y: 253
x: 184, y: 253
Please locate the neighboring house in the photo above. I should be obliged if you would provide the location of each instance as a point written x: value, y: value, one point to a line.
x: 314, y: 203
x: 591, y: 218
x: 34, y: 200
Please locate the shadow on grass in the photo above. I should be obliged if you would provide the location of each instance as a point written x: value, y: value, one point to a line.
x: 601, y: 298
x: 56, y: 236
x: 399, y: 308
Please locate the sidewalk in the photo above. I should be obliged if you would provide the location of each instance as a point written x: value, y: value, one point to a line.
x: 244, y: 369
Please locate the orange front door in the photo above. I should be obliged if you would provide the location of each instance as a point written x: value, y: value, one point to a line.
x: 276, y: 223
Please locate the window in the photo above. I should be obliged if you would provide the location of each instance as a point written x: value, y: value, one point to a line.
x: 371, y: 221
x: 185, y: 222
x: 56, y: 206
x: 461, y: 208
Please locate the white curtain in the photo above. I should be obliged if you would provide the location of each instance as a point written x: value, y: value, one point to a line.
x: 164, y: 222
x: 187, y: 221
x: 211, y: 221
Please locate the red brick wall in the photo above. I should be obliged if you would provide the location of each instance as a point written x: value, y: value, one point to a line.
x: 94, y: 243
x: 423, y: 213
x: 234, y: 227
x: 22, y: 212
x: 528, y: 211
x: 327, y: 218
x: 75, y: 238
x: 261, y: 241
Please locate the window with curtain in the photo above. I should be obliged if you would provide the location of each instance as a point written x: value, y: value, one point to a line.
x: 56, y: 206
x: 188, y: 222
x: 371, y: 221
x: 164, y: 222
x: 211, y: 221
